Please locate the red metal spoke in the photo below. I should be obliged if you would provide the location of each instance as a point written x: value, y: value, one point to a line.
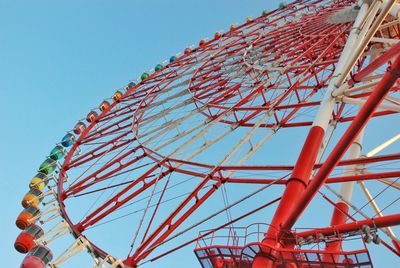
x: 170, y: 224
x: 94, y: 178
x: 108, y: 146
x: 124, y: 129
x: 384, y: 58
x: 204, y: 92
x: 216, y: 229
x: 112, y: 185
x: 113, y: 128
x: 116, y: 160
x: 114, y: 203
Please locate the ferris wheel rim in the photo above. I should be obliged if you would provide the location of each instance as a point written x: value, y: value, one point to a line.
x: 60, y: 193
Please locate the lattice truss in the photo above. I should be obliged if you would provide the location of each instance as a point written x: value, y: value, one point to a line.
x: 217, y: 132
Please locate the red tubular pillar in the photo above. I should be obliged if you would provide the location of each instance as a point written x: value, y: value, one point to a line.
x: 296, y: 196
x: 295, y: 186
x: 390, y: 77
x: 339, y: 216
x: 340, y: 212
x: 299, y: 179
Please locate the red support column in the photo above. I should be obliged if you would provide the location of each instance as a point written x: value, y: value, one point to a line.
x: 390, y: 77
x: 299, y: 179
x: 291, y: 207
x: 341, y: 210
x: 339, y: 216
x: 296, y: 185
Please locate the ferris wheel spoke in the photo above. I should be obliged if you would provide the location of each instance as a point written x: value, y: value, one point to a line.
x: 200, y: 134
x: 363, y: 214
x: 101, y: 132
x: 362, y: 101
x: 177, y: 137
x: 111, y: 185
x: 181, y: 93
x: 253, y: 150
x: 112, y: 166
x: 172, y: 222
x: 378, y: 149
x: 167, y: 126
x: 391, y: 183
x: 149, y: 119
x: 123, y: 107
x: 100, y: 150
x: 194, y: 153
x: 119, y: 130
x: 383, y: 146
x: 363, y: 177
x: 199, y: 201
x: 119, y: 200
x: 110, y: 173
x: 375, y: 206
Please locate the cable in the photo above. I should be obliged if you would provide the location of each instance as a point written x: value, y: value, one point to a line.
x: 378, y: 194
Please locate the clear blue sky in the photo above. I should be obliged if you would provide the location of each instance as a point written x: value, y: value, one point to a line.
x: 61, y: 58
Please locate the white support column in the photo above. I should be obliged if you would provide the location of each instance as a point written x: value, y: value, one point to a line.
x: 328, y: 102
x: 354, y: 152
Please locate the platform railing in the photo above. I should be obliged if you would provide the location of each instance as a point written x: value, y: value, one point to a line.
x: 238, y: 246
x: 232, y: 236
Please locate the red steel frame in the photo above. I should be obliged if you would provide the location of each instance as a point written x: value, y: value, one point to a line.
x: 299, y: 191
x: 314, y: 59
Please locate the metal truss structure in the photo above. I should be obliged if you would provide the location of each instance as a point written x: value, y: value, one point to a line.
x: 279, y: 115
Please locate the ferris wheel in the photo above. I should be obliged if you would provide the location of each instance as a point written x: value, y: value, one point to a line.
x: 274, y: 144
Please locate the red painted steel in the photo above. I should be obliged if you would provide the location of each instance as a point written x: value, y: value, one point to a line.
x: 381, y: 60
x: 390, y: 77
x: 378, y: 222
x: 339, y: 216
x: 116, y: 144
x: 297, y: 183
